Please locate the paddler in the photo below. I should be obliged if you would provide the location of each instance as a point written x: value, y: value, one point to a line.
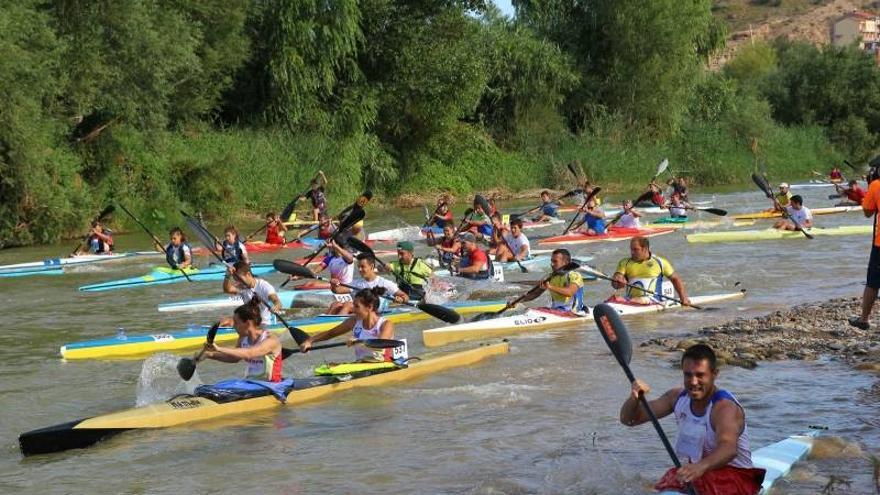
x: 275, y: 229
x: 258, y: 347
x: 549, y: 208
x: 366, y: 265
x: 442, y: 216
x: 251, y: 286
x: 231, y: 249
x: 679, y: 186
x: 713, y: 437
x: 412, y: 274
x: 364, y: 323
x: 338, y: 261
x: 656, y: 194
x: 474, y: 262
x: 449, y: 246
x: 797, y: 212
x: 594, y: 219
x: 870, y: 207
x: 480, y: 223
x: 853, y: 192
x: 519, y: 247
x: 647, y: 272
x: 317, y: 196
x: 836, y: 176
x: 100, y: 239
x: 566, y: 289
x: 677, y: 206
x: 357, y: 230
x: 177, y: 252
x: 629, y: 217
x: 783, y: 197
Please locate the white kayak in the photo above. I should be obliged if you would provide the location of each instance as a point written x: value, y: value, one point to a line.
x: 541, y: 319
x: 287, y: 298
x: 777, y: 458
x: 83, y: 259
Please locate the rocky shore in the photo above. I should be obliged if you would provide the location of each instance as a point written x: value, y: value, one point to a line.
x: 804, y: 332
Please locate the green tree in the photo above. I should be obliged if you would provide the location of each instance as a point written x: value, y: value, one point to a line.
x: 752, y: 63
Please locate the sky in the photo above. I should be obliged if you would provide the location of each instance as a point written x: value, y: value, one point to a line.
x: 505, y: 6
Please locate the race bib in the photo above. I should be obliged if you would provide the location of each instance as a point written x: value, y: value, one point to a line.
x: 342, y: 298
x: 401, y: 352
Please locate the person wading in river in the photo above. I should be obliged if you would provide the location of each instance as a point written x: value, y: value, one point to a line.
x: 713, y: 438
x: 870, y: 205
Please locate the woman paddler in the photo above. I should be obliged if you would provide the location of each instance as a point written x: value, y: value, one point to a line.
x: 364, y: 323
x: 259, y: 348
x: 275, y: 229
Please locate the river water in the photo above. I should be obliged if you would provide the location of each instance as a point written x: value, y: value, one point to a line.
x: 542, y: 419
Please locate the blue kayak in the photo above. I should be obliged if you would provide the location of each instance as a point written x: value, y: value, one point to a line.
x: 166, y: 275
x: 25, y: 272
x: 286, y: 296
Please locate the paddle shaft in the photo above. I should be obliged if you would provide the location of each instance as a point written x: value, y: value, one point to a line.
x: 155, y: 239
x: 765, y: 186
x: 510, y: 249
x: 265, y: 303
x: 610, y: 279
x: 584, y: 205
x: 106, y: 211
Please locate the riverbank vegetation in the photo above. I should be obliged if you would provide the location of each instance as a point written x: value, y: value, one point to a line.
x: 220, y: 106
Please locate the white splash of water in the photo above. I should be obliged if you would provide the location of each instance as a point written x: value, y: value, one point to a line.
x: 160, y: 381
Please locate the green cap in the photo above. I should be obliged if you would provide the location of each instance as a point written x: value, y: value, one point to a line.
x: 406, y: 246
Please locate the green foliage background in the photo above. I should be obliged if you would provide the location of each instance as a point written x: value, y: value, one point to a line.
x: 226, y: 106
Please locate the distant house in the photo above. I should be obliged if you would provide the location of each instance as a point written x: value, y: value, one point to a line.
x: 857, y: 27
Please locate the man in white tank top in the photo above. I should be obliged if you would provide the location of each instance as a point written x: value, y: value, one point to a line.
x: 713, y: 439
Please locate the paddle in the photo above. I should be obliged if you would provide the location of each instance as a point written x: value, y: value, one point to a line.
x: 370, y: 343
x: 468, y: 213
x: 435, y: 310
x: 601, y: 275
x: 761, y: 182
x: 616, y: 336
x: 106, y: 211
x: 713, y: 211
x: 573, y: 171
x: 429, y: 220
x: 589, y: 197
x: 530, y: 295
x: 661, y: 167
x: 207, y: 239
x: 357, y: 214
x: 156, y: 240
x: 186, y: 367
x: 555, y: 201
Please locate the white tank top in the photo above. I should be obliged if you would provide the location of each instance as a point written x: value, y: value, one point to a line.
x: 696, y: 438
x: 340, y: 270
x: 256, y: 367
x: 361, y: 333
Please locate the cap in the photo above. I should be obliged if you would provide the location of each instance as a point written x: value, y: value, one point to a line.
x: 784, y: 184
x: 406, y: 246
x: 468, y: 237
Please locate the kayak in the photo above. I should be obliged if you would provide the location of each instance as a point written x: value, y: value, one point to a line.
x: 816, y: 211
x: 776, y: 234
x: 412, y: 233
x: 541, y: 319
x: 83, y: 259
x: 265, y: 247
x: 613, y: 234
x: 651, y: 210
x: 777, y: 458
x: 25, y: 272
x: 138, y: 346
x: 691, y: 223
x: 287, y: 298
x: 181, y: 410
x: 167, y: 275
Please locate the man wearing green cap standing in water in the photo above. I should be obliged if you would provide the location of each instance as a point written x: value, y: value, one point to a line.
x: 412, y: 273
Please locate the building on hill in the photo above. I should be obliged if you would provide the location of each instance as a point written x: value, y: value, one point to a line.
x: 857, y: 26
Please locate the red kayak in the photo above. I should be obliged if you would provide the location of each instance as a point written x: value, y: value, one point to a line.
x: 613, y: 234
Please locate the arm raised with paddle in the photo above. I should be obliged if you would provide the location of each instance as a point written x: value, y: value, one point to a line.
x: 532, y: 294
x: 156, y: 242
x: 587, y: 200
x: 107, y: 211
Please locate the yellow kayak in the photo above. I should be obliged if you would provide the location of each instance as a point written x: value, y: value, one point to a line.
x: 776, y: 234
x: 816, y: 211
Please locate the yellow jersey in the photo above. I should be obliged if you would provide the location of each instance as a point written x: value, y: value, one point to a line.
x: 644, y: 274
x: 783, y: 199
x: 573, y: 303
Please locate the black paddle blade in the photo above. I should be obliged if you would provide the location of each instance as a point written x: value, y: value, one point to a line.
x: 488, y: 315
x: 206, y: 237
x: 298, y: 335
x: 573, y: 171
x: 468, y: 212
x: 288, y: 210
x: 715, y: 211
x: 644, y: 197
x: 212, y: 332
x: 357, y: 214
x: 440, y: 312
x: 186, y: 368
x: 106, y: 211
x: 292, y: 268
x: 761, y: 182
x: 614, y: 333
x: 360, y: 245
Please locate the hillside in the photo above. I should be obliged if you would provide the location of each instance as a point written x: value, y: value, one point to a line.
x: 803, y: 20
